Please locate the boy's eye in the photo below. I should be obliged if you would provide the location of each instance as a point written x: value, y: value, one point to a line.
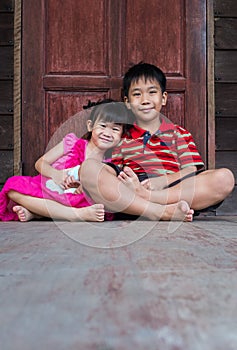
x: 136, y: 94
x: 153, y: 92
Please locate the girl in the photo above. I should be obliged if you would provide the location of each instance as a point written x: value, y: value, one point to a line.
x: 58, y: 182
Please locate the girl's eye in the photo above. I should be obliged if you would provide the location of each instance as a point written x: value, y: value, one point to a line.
x: 117, y: 129
x: 102, y: 125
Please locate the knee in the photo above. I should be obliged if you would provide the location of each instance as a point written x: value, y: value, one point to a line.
x: 87, y: 171
x: 90, y: 172
x: 226, y: 181
x: 12, y: 195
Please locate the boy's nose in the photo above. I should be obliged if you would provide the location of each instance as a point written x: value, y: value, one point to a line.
x: 145, y: 99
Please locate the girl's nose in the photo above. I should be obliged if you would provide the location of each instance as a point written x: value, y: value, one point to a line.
x: 107, y: 131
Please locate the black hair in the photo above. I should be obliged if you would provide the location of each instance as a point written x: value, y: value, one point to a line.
x: 143, y: 70
x: 109, y: 111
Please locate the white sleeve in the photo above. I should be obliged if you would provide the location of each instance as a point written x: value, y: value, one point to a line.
x: 74, y: 172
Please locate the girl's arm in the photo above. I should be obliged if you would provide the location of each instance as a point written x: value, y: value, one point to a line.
x: 44, y: 167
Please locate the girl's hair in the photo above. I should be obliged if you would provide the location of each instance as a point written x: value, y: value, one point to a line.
x: 109, y: 111
x: 145, y: 71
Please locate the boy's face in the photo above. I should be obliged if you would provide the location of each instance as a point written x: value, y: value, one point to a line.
x: 145, y: 99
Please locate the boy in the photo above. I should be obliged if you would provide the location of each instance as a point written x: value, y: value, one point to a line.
x: 159, y: 150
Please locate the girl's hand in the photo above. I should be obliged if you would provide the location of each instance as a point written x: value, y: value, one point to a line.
x: 70, y: 182
x: 59, y: 177
x: 79, y: 190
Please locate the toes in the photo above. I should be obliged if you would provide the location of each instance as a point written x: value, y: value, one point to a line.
x: 184, y: 207
x: 16, y: 208
x: 99, y: 206
x: 188, y: 217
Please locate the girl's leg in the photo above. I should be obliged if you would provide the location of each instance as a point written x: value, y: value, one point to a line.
x: 104, y: 187
x: 51, y: 209
x: 24, y: 214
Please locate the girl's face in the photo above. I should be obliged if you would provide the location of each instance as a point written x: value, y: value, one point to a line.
x: 105, y: 135
x: 145, y: 99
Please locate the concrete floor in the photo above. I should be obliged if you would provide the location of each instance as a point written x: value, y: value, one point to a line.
x: 119, y: 285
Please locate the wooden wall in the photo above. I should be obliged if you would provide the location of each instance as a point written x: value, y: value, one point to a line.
x: 6, y: 88
x: 225, y: 50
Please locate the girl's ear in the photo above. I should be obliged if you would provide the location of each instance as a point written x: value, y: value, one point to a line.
x: 127, y: 103
x: 164, y: 98
x: 89, y: 125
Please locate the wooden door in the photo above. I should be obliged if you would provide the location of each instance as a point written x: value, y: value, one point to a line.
x: 78, y: 50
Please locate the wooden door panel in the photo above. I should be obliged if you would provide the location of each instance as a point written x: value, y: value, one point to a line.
x: 155, y: 33
x: 71, y: 44
x: 175, y: 108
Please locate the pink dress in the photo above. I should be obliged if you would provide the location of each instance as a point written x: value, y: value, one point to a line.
x: 74, y: 154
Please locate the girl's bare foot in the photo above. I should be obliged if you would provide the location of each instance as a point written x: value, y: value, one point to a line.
x: 23, y: 213
x: 95, y: 212
x: 179, y: 211
x: 130, y: 179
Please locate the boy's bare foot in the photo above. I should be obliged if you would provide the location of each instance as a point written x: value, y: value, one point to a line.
x: 23, y: 214
x: 173, y: 212
x: 130, y: 179
x: 95, y: 212
x: 179, y: 212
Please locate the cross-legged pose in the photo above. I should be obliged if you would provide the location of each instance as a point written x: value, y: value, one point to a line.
x: 162, y: 155
x: 53, y: 193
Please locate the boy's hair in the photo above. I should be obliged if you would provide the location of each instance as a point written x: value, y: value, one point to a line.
x: 109, y: 111
x: 145, y: 71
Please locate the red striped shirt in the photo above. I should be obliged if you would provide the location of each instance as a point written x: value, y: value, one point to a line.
x: 169, y: 150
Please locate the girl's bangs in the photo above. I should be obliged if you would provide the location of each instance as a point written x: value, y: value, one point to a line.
x: 113, y: 113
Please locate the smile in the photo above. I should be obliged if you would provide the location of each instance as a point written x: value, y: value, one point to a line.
x: 146, y: 110
x: 105, y: 140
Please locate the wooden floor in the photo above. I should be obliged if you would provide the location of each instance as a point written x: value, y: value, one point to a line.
x: 119, y: 285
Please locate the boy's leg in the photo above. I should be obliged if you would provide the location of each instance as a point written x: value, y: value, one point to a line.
x: 201, y: 191
x: 51, y: 209
x: 101, y: 183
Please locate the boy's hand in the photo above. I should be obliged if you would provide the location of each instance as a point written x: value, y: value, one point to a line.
x: 147, y: 185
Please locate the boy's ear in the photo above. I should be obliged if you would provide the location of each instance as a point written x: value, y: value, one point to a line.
x: 164, y: 98
x: 89, y: 125
x: 127, y: 102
